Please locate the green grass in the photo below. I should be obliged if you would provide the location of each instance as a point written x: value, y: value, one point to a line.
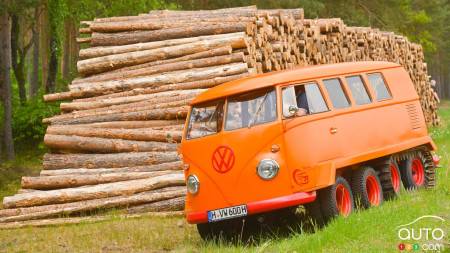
x: 372, y: 230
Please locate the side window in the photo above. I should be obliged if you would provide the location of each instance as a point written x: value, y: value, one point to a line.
x: 379, y: 86
x: 359, y: 92
x: 336, y: 93
x: 307, y: 97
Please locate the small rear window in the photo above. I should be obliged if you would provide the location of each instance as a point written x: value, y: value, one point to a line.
x: 336, y: 93
x: 359, y: 92
x: 379, y: 86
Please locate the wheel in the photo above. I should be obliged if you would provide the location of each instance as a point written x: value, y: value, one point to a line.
x: 390, y: 179
x: 336, y: 200
x: 418, y: 171
x: 367, y: 187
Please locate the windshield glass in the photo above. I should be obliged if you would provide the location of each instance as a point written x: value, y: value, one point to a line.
x: 251, y: 109
x: 205, y: 120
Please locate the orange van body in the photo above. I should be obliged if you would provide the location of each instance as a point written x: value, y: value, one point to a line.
x: 310, y: 150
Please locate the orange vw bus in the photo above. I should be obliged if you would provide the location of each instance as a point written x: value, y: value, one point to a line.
x: 325, y: 137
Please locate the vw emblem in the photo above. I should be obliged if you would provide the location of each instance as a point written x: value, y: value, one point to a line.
x: 223, y: 159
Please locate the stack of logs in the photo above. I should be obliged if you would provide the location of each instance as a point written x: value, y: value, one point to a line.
x: 115, y: 144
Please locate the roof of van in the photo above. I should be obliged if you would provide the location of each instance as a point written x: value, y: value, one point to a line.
x: 296, y: 74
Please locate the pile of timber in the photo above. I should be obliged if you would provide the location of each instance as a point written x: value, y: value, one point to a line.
x: 115, y: 144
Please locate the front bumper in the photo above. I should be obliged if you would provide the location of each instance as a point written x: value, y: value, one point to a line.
x: 261, y: 206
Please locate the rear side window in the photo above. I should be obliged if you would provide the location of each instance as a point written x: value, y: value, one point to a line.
x: 359, y: 92
x: 336, y: 93
x: 306, y: 97
x: 379, y: 86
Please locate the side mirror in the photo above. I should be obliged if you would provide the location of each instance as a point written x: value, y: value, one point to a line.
x: 292, y: 110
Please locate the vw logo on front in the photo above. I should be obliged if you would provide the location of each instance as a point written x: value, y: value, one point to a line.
x: 223, y: 159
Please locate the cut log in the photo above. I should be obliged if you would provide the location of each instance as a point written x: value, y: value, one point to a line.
x: 201, y: 84
x: 70, y: 181
x: 163, y: 124
x: 178, y: 113
x: 154, y: 98
x: 40, y: 212
x: 92, y: 192
x: 109, y: 62
x: 66, y: 118
x: 157, y: 80
x: 174, y: 166
x: 168, y: 67
x: 77, y: 220
x: 124, y: 38
x: 103, y: 51
x: 90, y: 161
x: 175, y: 204
x: 103, y: 145
x: 143, y: 134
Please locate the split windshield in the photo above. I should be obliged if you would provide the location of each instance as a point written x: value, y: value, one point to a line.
x: 245, y: 110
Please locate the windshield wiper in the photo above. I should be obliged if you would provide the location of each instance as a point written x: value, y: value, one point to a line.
x: 255, y: 116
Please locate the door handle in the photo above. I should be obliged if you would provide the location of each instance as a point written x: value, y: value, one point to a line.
x: 333, y: 130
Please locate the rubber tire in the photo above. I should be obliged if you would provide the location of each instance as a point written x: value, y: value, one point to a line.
x: 407, y: 175
x: 384, y: 170
x: 359, y: 181
x: 328, y: 203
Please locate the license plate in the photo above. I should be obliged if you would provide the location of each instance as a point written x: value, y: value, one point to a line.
x: 227, y: 213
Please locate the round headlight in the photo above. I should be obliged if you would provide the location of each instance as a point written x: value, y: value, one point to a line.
x: 267, y: 169
x: 192, y: 184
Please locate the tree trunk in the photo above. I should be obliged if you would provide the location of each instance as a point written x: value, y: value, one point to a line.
x: 174, y: 204
x: 174, y: 166
x: 110, y: 62
x: 124, y: 38
x: 103, y: 145
x: 18, y: 58
x: 5, y: 82
x: 74, y: 180
x: 142, y: 134
x: 94, y: 52
x: 163, y: 124
x: 40, y: 212
x: 88, y: 219
x: 34, y: 83
x: 92, y: 192
x: 65, y: 62
x: 50, y: 86
x: 91, y: 161
x: 151, y: 81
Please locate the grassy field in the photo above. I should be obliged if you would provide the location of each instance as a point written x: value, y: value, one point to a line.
x: 372, y: 230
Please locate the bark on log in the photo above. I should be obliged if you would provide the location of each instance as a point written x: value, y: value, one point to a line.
x: 175, y: 204
x: 174, y: 166
x: 94, y: 52
x: 133, y: 107
x: 118, y: 73
x: 177, y: 113
x: 202, y: 84
x: 92, y: 192
x: 163, y: 124
x: 109, y: 62
x: 77, y: 220
x: 74, y: 180
x: 70, y: 161
x: 40, y: 212
x: 143, y: 134
x: 157, y: 80
x: 103, y: 145
x: 168, y: 67
x: 154, y: 98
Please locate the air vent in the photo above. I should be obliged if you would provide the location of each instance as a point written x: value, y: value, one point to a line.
x: 414, y: 117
